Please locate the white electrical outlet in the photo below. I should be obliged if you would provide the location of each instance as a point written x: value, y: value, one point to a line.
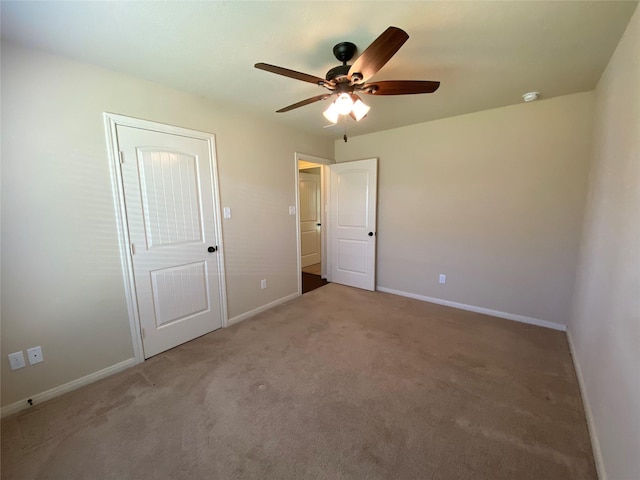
x: 35, y: 355
x: 16, y: 360
x: 263, y: 283
x: 443, y: 278
x: 292, y: 209
x: 226, y: 212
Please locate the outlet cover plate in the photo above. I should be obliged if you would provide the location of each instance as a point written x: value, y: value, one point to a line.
x: 35, y: 355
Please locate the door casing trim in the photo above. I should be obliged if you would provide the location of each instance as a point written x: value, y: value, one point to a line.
x: 111, y: 121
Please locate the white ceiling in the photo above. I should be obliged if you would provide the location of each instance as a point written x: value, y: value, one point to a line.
x: 485, y: 53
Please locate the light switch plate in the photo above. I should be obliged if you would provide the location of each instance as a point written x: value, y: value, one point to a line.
x: 292, y: 209
x: 16, y: 360
x: 226, y: 212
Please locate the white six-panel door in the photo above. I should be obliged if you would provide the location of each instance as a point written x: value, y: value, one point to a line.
x: 310, y: 243
x: 169, y: 200
x: 353, y: 188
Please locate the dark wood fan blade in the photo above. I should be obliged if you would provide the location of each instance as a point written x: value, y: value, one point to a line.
x: 304, y: 102
x: 290, y: 73
x: 377, y: 54
x: 400, y: 87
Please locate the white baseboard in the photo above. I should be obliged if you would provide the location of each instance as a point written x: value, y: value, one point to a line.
x: 67, y: 387
x: 472, y: 308
x: 595, y: 444
x: 105, y: 372
x: 255, y: 311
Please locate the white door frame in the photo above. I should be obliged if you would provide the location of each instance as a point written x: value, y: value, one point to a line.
x: 323, y: 212
x: 111, y: 121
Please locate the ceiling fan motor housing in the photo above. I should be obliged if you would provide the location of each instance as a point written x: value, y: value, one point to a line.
x: 337, y: 72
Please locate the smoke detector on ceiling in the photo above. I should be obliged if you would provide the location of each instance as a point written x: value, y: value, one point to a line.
x: 531, y: 96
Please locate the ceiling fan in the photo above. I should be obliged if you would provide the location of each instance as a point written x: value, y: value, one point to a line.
x: 346, y: 81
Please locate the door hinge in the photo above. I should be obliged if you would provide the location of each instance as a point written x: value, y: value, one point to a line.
x: 132, y: 248
x: 142, y: 333
x: 121, y: 155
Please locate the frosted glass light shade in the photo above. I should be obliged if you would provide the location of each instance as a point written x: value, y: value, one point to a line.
x: 360, y: 110
x: 332, y: 113
x: 344, y: 104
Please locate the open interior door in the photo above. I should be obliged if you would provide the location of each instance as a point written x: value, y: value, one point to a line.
x: 353, y: 190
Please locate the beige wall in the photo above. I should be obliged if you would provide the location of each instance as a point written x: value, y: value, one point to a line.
x: 605, y: 329
x: 493, y: 199
x: 61, y: 274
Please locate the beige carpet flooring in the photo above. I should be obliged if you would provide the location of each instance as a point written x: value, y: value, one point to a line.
x: 337, y: 384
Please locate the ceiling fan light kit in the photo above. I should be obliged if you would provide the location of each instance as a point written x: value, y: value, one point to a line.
x: 345, y: 81
x: 346, y: 104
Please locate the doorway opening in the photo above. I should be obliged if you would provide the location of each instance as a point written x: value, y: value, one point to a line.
x: 311, y: 214
x: 346, y: 233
